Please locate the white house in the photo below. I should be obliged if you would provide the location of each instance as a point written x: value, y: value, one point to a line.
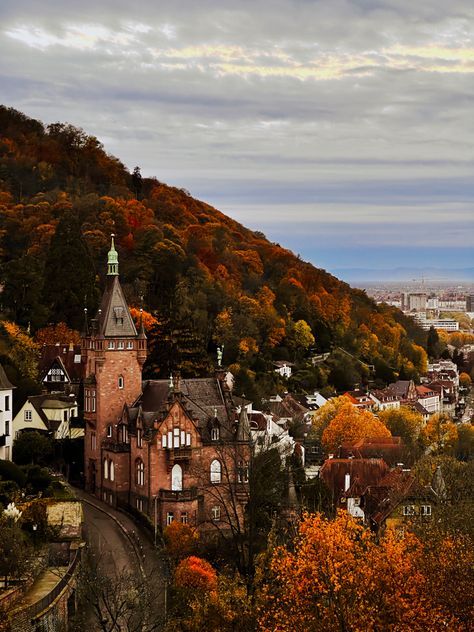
x: 283, y: 368
x: 6, y: 406
x: 55, y: 414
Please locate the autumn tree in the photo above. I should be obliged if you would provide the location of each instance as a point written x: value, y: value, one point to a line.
x: 338, y: 578
x: 440, y: 433
x: 465, y: 380
x: 405, y: 423
x: 59, y: 333
x: 321, y: 419
x: 180, y: 540
x: 350, y: 424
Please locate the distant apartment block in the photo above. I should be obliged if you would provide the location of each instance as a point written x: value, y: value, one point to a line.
x: 414, y: 301
x: 470, y: 303
x: 448, y: 324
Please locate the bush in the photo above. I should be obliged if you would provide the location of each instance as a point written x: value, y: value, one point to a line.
x: 38, y: 479
x: 9, y: 471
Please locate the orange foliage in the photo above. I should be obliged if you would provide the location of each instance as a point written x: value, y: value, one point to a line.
x: 59, y: 333
x: 350, y: 424
x: 180, y: 539
x: 339, y: 578
x: 149, y: 321
x: 194, y: 573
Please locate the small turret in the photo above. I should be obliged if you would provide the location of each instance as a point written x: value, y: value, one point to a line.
x: 112, y: 259
x: 243, y: 426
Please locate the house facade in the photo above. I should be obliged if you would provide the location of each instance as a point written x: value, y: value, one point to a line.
x: 6, y: 407
x: 55, y: 414
x: 171, y: 449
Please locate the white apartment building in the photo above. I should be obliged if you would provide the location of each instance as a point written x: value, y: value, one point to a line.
x: 6, y: 416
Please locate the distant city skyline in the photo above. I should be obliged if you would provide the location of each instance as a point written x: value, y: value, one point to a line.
x: 343, y: 130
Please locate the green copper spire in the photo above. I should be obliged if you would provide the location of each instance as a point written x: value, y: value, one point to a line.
x: 112, y: 260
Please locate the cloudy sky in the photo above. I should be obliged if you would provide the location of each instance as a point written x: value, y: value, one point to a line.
x: 342, y: 129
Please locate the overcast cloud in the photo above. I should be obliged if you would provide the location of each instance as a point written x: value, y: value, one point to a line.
x: 329, y: 125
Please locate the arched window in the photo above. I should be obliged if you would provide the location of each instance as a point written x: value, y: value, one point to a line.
x: 215, y: 433
x: 120, y: 381
x: 140, y: 472
x: 112, y: 470
x: 177, y: 478
x: 106, y: 468
x: 215, y: 471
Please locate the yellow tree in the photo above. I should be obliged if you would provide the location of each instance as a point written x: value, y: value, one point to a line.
x: 323, y: 417
x: 403, y: 422
x: 350, y: 424
x: 440, y: 433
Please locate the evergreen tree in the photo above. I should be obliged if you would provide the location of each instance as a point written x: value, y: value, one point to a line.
x: 69, y: 274
x: 433, y: 345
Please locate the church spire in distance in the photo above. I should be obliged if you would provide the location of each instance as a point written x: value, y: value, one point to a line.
x: 112, y: 259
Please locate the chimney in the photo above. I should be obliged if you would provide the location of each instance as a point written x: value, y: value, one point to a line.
x: 347, y: 482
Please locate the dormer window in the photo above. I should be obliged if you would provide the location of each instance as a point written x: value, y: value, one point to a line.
x: 118, y: 314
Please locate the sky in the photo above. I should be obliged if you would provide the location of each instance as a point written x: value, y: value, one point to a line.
x: 341, y: 129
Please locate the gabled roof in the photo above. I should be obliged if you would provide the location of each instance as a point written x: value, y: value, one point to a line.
x: 114, y: 319
x: 5, y: 384
x: 68, y: 357
x: 42, y: 402
x: 203, y: 399
x: 366, y: 471
x: 397, y: 486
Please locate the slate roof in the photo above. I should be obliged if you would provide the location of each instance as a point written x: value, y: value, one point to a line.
x: 5, y: 384
x: 114, y: 319
x: 204, y: 399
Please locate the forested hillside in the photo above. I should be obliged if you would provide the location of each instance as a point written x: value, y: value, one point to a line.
x: 207, y: 279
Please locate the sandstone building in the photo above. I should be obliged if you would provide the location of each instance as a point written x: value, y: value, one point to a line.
x: 171, y: 449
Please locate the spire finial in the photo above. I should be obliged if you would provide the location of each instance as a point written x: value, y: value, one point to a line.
x: 112, y: 259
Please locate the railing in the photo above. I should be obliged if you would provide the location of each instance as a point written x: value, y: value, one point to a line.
x: 115, y: 446
x: 178, y: 454
x: 48, y: 599
x: 182, y: 495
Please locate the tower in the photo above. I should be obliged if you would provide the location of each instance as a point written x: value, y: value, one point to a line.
x: 113, y: 354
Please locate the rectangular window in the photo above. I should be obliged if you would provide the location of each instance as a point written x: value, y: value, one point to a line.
x: 170, y: 439
x: 140, y: 504
x: 109, y: 431
x: 176, y: 438
x: 183, y: 437
x: 28, y: 415
x: 163, y: 441
x: 93, y: 402
x: 184, y: 517
x: 425, y: 510
x: 65, y: 415
x: 216, y: 513
x: 409, y: 510
x: 188, y: 439
x: 169, y: 517
x: 139, y: 438
x: 121, y: 344
x: 129, y: 344
x: 7, y: 402
x: 7, y: 427
x: 111, y: 344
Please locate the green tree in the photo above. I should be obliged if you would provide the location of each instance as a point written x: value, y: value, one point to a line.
x: 32, y: 447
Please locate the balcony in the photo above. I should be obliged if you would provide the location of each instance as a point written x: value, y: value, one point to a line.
x: 178, y: 454
x: 115, y: 446
x: 178, y: 496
